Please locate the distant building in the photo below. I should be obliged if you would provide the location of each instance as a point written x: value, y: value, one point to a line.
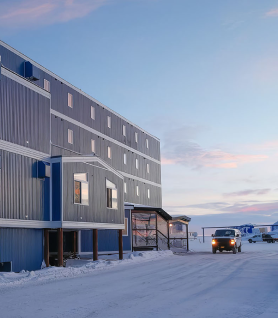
x: 274, y: 226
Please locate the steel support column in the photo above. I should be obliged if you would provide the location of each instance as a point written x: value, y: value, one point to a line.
x: 203, y: 235
x: 60, y: 246
x: 74, y: 243
x: 46, y: 247
x: 187, y: 240
x: 121, y: 252
x: 95, y: 244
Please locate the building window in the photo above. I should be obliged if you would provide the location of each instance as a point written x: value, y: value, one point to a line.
x: 124, y: 130
x: 46, y: 85
x: 137, y: 191
x: 109, y: 154
x: 81, y: 189
x: 111, y: 195
x: 136, y: 137
x: 147, y: 143
x: 70, y: 136
x: 149, y: 193
x: 93, y: 112
x: 125, y: 231
x: 136, y: 164
x: 93, y: 145
x: 70, y: 100
x: 148, y: 168
x: 125, y: 188
x: 125, y: 158
x: 109, y: 121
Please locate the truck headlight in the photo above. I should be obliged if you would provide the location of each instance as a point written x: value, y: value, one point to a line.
x: 213, y: 242
x: 232, y: 242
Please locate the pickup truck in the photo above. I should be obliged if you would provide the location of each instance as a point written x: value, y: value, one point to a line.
x: 262, y: 238
x: 226, y: 239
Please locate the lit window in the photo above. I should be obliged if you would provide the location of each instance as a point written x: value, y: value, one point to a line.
x: 81, y: 189
x: 109, y: 121
x: 125, y: 231
x: 93, y: 112
x: 124, y: 130
x: 136, y: 137
x: 109, y: 154
x: 70, y: 136
x: 93, y: 145
x: 137, y: 191
x: 111, y: 195
x: 147, y: 143
x: 149, y: 193
x: 70, y: 100
x: 125, y: 188
x: 125, y: 158
x: 136, y: 164
x: 148, y: 168
x: 46, y: 85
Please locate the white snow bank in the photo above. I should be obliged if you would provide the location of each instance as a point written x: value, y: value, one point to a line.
x: 54, y: 273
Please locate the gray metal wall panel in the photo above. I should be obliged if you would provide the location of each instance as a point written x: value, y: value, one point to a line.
x: 24, y: 247
x: 24, y: 116
x: 21, y: 192
x: 82, y: 144
x: 96, y: 211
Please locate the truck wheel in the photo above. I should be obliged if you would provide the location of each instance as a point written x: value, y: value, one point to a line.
x: 254, y: 242
x: 250, y: 241
x: 214, y: 250
x: 221, y: 251
x: 268, y: 241
x: 234, y: 250
x: 239, y: 249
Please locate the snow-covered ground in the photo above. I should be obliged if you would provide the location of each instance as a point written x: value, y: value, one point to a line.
x: 152, y: 284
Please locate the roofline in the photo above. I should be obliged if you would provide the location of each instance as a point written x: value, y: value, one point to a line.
x: 160, y: 211
x: 7, y: 46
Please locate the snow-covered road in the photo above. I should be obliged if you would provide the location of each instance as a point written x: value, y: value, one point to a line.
x: 199, y: 284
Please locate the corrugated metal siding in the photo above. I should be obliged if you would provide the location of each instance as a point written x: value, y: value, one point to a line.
x: 21, y: 192
x: 107, y: 239
x: 82, y: 144
x: 96, y: 211
x: 24, y: 116
x: 24, y: 247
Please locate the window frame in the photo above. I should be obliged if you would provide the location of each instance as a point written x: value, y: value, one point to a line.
x: 46, y: 85
x: 148, y: 168
x: 126, y: 227
x: 70, y: 134
x: 109, y: 152
x: 125, y: 159
x: 82, y: 183
x: 109, y: 122
x: 136, y: 137
x: 124, y: 130
x: 136, y: 163
x: 125, y: 188
x: 93, y: 142
x: 106, y: 192
x: 147, y: 143
x: 137, y: 191
x: 148, y: 193
x: 93, y: 112
x: 70, y: 100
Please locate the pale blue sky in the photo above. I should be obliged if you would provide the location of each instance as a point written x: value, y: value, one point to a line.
x: 200, y: 75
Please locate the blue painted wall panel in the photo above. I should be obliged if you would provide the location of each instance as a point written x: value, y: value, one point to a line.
x: 56, y: 192
x: 24, y: 247
x: 107, y: 239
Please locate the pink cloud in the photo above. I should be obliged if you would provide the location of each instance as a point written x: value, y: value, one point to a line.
x: 38, y: 12
x: 272, y: 13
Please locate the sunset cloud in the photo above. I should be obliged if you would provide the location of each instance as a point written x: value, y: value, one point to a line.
x: 272, y: 13
x: 178, y: 149
x: 248, y: 192
x: 21, y: 13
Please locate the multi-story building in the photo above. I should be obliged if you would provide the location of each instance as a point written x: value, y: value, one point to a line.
x: 68, y: 164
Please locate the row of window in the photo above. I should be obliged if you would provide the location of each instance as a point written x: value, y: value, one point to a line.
x: 46, y: 85
x: 109, y: 152
x: 81, y: 191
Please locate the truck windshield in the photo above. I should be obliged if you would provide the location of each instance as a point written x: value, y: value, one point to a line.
x: 224, y: 233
